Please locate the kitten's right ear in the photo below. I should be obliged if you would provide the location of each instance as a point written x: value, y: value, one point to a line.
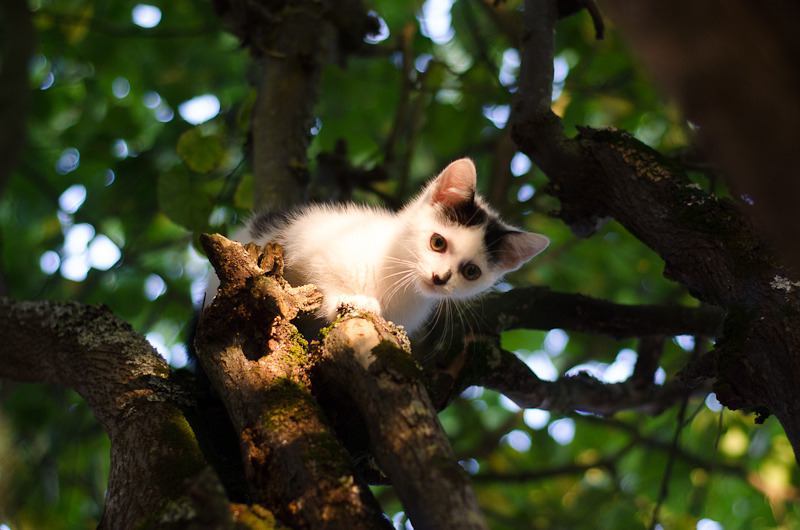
x: 455, y: 185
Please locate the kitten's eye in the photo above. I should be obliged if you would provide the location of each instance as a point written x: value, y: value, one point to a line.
x: 471, y: 271
x: 438, y: 243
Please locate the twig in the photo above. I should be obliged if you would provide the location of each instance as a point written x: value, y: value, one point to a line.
x: 673, y: 451
x: 664, y: 491
x: 597, y: 18
x: 648, y: 354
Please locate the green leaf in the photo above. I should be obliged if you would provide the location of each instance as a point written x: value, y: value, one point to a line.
x: 183, y: 198
x: 245, y: 113
x: 201, y: 153
x: 244, y: 193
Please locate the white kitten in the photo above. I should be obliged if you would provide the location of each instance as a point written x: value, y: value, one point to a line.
x: 445, y: 244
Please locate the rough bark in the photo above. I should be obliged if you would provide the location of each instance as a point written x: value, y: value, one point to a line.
x: 732, y: 67
x: 290, y: 42
x: 707, y: 244
x: 128, y: 387
x: 258, y: 363
x: 373, y: 365
x: 538, y: 307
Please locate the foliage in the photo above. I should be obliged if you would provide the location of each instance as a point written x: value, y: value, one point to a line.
x: 112, y: 166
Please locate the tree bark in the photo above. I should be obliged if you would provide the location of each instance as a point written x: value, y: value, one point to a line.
x: 708, y: 244
x: 372, y: 363
x: 536, y: 307
x: 732, y: 67
x: 258, y: 364
x: 290, y: 42
x: 129, y: 388
x: 290, y: 69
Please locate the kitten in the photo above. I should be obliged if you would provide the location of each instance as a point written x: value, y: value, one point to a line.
x: 445, y: 244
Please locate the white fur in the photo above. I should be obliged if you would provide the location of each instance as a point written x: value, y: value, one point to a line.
x: 382, y: 261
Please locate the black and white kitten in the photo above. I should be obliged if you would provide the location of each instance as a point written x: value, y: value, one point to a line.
x: 446, y: 244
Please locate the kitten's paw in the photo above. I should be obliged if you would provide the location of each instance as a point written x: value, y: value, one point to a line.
x: 365, y: 303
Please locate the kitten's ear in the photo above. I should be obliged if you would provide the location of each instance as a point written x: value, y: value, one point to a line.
x: 519, y: 247
x: 454, y: 185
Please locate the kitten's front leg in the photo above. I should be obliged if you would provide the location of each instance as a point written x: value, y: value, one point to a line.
x: 365, y: 303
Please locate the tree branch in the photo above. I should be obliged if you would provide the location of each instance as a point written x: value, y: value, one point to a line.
x: 479, y: 360
x: 513, y: 378
x: 258, y: 363
x: 720, y: 73
x: 292, y: 42
x: 708, y: 244
x: 291, y: 66
x: 129, y: 389
x: 540, y: 308
x: 375, y: 368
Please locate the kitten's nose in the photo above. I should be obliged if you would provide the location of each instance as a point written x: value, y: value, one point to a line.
x: 441, y: 280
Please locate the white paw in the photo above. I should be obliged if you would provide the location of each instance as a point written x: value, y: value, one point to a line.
x: 365, y: 303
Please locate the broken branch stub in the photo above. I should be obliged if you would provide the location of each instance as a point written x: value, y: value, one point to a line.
x: 260, y: 270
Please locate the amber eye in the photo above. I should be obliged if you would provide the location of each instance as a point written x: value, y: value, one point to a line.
x: 471, y: 271
x: 438, y: 243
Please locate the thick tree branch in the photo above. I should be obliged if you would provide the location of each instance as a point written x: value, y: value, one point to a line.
x: 375, y: 368
x: 707, y: 244
x: 290, y: 42
x: 484, y: 363
x: 283, y: 113
x: 258, y: 363
x: 541, y: 308
x: 128, y: 388
x: 585, y: 393
x: 722, y: 60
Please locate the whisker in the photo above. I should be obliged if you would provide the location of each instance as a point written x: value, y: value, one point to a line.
x: 405, y: 279
x: 437, y: 315
x: 443, y: 311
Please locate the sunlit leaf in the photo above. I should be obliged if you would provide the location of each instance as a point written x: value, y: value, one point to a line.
x: 200, y: 152
x: 183, y: 199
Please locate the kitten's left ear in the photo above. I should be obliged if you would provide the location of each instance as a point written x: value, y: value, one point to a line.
x: 455, y: 185
x: 519, y: 247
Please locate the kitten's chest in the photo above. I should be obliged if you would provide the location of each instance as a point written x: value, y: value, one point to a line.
x: 354, y: 256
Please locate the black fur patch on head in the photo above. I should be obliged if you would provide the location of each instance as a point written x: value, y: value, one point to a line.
x: 465, y: 213
x: 268, y: 221
x: 493, y: 237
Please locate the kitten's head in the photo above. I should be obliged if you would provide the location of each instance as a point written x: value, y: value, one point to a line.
x: 461, y: 246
